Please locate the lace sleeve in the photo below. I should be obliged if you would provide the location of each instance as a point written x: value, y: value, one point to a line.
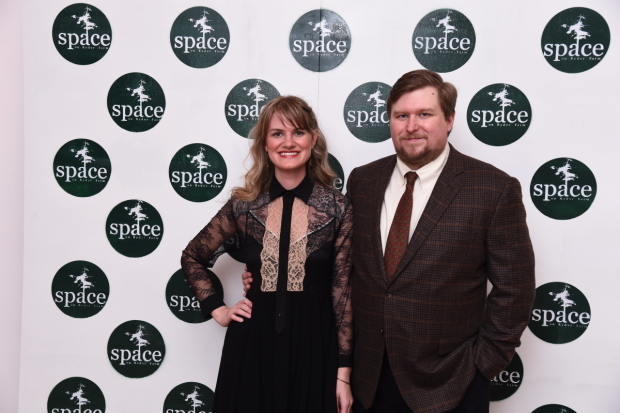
x: 201, y: 253
x: 341, y: 287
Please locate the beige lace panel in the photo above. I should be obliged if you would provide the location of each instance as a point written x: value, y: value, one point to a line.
x: 271, y: 246
x: 297, y: 250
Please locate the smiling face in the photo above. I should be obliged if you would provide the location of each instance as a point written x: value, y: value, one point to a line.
x: 418, y: 127
x: 289, y: 148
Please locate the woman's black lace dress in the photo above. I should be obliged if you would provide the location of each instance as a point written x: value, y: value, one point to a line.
x: 297, y: 245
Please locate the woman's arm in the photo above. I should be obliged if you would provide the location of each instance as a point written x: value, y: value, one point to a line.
x: 201, y: 253
x: 341, y: 289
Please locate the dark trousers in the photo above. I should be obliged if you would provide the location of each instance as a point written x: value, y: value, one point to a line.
x: 389, y: 400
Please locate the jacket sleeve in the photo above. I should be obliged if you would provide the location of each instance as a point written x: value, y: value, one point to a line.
x: 341, y: 286
x: 201, y: 254
x: 510, y: 269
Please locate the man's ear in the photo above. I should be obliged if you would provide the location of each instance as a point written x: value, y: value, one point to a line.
x: 450, y: 122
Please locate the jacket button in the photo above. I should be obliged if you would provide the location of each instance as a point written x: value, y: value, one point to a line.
x: 381, y: 331
x: 388, y: 294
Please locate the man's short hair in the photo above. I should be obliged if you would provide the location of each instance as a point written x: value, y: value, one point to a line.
x: 418, y: 79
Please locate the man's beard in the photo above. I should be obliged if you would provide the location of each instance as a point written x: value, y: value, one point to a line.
x: 419, y: 158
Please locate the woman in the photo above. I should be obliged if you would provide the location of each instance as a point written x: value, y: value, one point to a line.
x: 288, y: 344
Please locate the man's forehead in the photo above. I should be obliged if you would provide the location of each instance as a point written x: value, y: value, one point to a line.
x: 426, y: 98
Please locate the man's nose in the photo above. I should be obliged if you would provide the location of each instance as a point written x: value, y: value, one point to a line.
x: 412, y: 124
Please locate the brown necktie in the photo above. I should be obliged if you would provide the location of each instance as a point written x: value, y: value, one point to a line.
x: 398, y: 238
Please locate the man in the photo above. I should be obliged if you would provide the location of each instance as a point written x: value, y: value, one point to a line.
x: 428, y: 339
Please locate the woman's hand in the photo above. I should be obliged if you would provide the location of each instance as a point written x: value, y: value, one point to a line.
x: 224, y: 315
x: 247, y: 280
x: 344, y: 397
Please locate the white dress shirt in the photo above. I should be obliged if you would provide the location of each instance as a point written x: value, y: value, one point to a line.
x: 422, y: 189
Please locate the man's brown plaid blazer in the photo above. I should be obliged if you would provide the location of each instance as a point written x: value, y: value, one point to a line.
x: 434, y: 318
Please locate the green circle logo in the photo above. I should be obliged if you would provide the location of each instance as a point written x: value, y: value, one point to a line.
x: 506, y: 383
x: 563, y: 188
x: 82, y: 34
x: 181, y: 298
x: 365, y: 112
x: 76, y: 394
x: 320, y: 40
x: 197, y: 172
x: 443, y: 40
x: 561, y: 313
x: 337, y: 168
x: 199, y: 37
x: 575, y: 40
x: 80, y: 289
x: 499, y: 114
x: 245, y: 102
x: 190, y: 397
x: 136, y: 349
x: 134, y: 228
x: 82, y: 167
x: 553, y: 408
x: 136, y: 102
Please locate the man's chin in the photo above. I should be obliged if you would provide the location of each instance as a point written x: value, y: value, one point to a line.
x: 414, y: 160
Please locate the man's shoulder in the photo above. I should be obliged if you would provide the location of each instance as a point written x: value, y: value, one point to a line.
x: 477, y: 170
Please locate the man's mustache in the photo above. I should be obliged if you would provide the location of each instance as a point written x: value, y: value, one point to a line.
x: 415, y: 135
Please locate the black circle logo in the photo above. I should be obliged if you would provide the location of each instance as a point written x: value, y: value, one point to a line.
x: 74, y: 393
x: 365, y: 112
x: 508, y: 381
x: 563, y: 188
x: 199, y: 37
x: 339, y: 182
x: 82, y: 34
x: 245, y: 102
x: 181, y: 298
x: 190, y: 397
x: 320, y: 40
x: 575, y: 40
x: 444, y: 40
x: 136, y: 102
x: 82, y: 167
x: 553, y: 408
x: 136, y: 349
x: 561, y: 313
x: 80, y: 289
x: 134, y: 228
x: 499, y: 114
x: 197, y: 172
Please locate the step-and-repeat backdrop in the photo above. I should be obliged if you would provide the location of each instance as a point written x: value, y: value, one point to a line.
x: 136, y: 121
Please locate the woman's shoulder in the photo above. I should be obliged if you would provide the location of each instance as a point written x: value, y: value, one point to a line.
x: 329, y: 199
x: 240, y: 207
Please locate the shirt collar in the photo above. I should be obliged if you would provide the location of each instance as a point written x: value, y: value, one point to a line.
x: 427, y: 174
x: 301, y: 191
